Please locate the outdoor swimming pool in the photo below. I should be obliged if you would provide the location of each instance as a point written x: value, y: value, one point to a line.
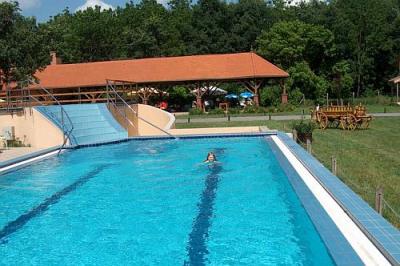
x: 154, y: 203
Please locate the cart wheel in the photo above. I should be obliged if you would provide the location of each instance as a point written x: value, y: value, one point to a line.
x: 351, y: 122
x: 335, y: 123
x: 343, y: 122
x: 366, y: 123
x: 324, y: 121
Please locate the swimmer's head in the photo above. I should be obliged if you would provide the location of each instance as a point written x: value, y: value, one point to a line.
x: 211, y: 157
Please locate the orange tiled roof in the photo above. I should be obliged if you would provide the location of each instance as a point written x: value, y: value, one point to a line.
x: 160, y: 70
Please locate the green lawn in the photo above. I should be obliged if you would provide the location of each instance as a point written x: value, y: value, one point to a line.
x: 280, y: 125
x: 366, y: 158
x: 371, y: 108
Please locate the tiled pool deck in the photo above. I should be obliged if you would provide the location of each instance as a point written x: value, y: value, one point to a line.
x: 339, y: 248
x: 384, y: 235
x: 379, y: 231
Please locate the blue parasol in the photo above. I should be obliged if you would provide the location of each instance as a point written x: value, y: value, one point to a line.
x: 231, y: 96
x: 246, y: 94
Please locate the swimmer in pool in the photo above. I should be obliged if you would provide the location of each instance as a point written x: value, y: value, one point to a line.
x: 211, y: 158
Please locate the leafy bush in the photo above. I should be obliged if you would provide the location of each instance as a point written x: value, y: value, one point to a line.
x: 196, y: 111
x: 286, y: 107
x: 384, y: 100
x: 295, y: 96
x: 304, y: 127
x: 234, y: 111
x: 271, y: 95
x: 302, y: 78
x: 252, y: 109
x: 216, y: 111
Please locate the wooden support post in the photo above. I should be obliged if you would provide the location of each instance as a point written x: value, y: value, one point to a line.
x: 284, y: 95
x: 334, y: 165
x: 308, y: 143
x: 294, y: 132
x: 254, y: 86
x: 379, y: 200
x: 199, y: 97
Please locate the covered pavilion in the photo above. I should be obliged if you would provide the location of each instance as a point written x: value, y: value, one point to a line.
x: 87, y: 82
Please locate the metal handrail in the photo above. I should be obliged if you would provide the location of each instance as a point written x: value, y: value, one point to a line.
x: 110, y: 87
x: 64, y: 114
x: 120, y: 112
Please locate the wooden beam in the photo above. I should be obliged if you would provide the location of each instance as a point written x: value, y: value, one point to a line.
x: 254, y: 86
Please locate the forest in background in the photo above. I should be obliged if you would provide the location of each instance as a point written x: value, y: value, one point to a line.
x: 341, y: 47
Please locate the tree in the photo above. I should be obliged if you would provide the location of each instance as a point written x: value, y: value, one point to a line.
x: 363, y: 30
x: 249, y: 18
x: 287, y: 43
x: 342, y: 83
x: 145, y: 29
x: 21, y: 48
x: 211, y: 23
x: 303, y: 79
x: 96, y: 34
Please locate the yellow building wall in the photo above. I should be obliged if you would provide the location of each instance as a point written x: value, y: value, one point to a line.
x: 31, y: 127
x: 156, y: 116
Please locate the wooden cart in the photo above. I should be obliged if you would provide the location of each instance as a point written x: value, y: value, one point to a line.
x: 343, y: 116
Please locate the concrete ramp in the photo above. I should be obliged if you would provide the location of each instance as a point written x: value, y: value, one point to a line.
x: 92, y: 123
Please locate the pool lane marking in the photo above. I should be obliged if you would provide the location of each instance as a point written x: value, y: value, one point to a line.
x: 366, y: 250
x: 18, y: 223
x: 197, y: 248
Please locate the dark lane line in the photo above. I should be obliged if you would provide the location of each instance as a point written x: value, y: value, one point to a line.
x: 18, y: 223
x: 197, y: 247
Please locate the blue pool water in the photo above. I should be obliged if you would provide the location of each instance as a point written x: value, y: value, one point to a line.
x: 155, y: 203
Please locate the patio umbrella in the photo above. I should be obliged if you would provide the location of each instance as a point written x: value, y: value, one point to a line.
x: 231, y: 96
x: 246, y: 94
x: 149, y: 90
x: 212, y: 90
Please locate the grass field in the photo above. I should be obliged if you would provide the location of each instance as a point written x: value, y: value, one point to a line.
x: 366, y: 159
x: 371, y: 108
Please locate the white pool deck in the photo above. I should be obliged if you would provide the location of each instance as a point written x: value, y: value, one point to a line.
x: 17, y: 165
x: 13, y: 153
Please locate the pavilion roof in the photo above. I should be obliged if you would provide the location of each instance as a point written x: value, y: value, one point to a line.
x: 162, y: 70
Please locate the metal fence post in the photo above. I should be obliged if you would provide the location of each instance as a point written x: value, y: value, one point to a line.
x: 334, y: 165
x: 309, y: 149
x: 379, y: 200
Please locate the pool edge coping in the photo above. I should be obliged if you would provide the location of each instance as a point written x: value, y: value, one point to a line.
x: 27, y: 159
x: 305, y: 159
